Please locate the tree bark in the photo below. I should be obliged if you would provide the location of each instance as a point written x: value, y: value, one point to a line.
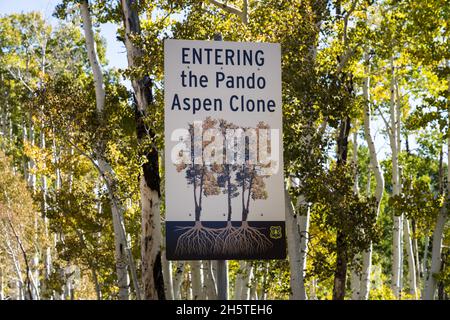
x: 196, y: 277
x: 436, y: 253
x: 209, y: 282
x: 167, y: 273
x: 425, y: 265
x: 303, y: 226
x: 293, y: 246
x: 152, y: 276
x: 340, y: 274
x: 411, y: 260
x: 177, y: 280
x: 123, y: 254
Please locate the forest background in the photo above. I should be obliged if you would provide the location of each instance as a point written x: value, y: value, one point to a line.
x: 366, y: 91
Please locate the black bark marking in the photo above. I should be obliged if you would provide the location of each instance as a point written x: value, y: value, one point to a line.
x: 158, y: 277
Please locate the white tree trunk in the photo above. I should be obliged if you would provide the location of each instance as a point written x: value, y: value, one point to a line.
x: 246, y: 279
x: 397, y: 230
x: 120, y: 255
x: 253, y: 284
x: 17, y: 268
x: 418, y: 264
x: 209, y: 283
x: 35, y: 272
x: 48, y: 253
x: 303, y: 225
x: 293, y: 243
x: 196, y: 278
x: 239, y: 281
x: 31, y: 164
x: 151, y: 237
x: 375, y: 168
x: 313, y: 289
x: 167, y: 272
x: 178, y: 280
x: 93, y: 58
x: 152, y: 277
x: 436, y: 251
x: 47, y: 249
x: 411, y: 261
x: 121, y: 246
x: 425, y: 265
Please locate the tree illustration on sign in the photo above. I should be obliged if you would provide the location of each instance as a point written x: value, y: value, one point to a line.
x: 229, y: 188
x: 241, y: 175
x: 250, y: 179
x: 198, y: 238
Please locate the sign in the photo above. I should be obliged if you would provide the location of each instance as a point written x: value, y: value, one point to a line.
x: 224, y: 184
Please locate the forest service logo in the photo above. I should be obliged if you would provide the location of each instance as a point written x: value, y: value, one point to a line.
x: 275, y: 232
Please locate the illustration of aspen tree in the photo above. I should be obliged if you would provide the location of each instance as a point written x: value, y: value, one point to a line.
x: 438, y: 233
x: 224, y: 181
x: 376, y: 169
x: 198, y: 239
x: 250, y: 177
x: 124, y: 258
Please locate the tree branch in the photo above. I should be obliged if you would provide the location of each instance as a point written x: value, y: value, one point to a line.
x: 19, y: 77
x: 232, y: 9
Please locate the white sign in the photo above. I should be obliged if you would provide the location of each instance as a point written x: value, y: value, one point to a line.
x: 223, y: 150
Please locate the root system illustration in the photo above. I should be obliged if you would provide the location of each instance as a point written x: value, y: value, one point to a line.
x: 230, y: 240
x: 196, y: 240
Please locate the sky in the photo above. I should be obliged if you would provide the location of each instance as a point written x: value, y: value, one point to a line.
x: 116, y: 54
x: 115, y: 50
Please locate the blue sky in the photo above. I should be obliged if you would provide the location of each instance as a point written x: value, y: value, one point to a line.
x: 115, y: 51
